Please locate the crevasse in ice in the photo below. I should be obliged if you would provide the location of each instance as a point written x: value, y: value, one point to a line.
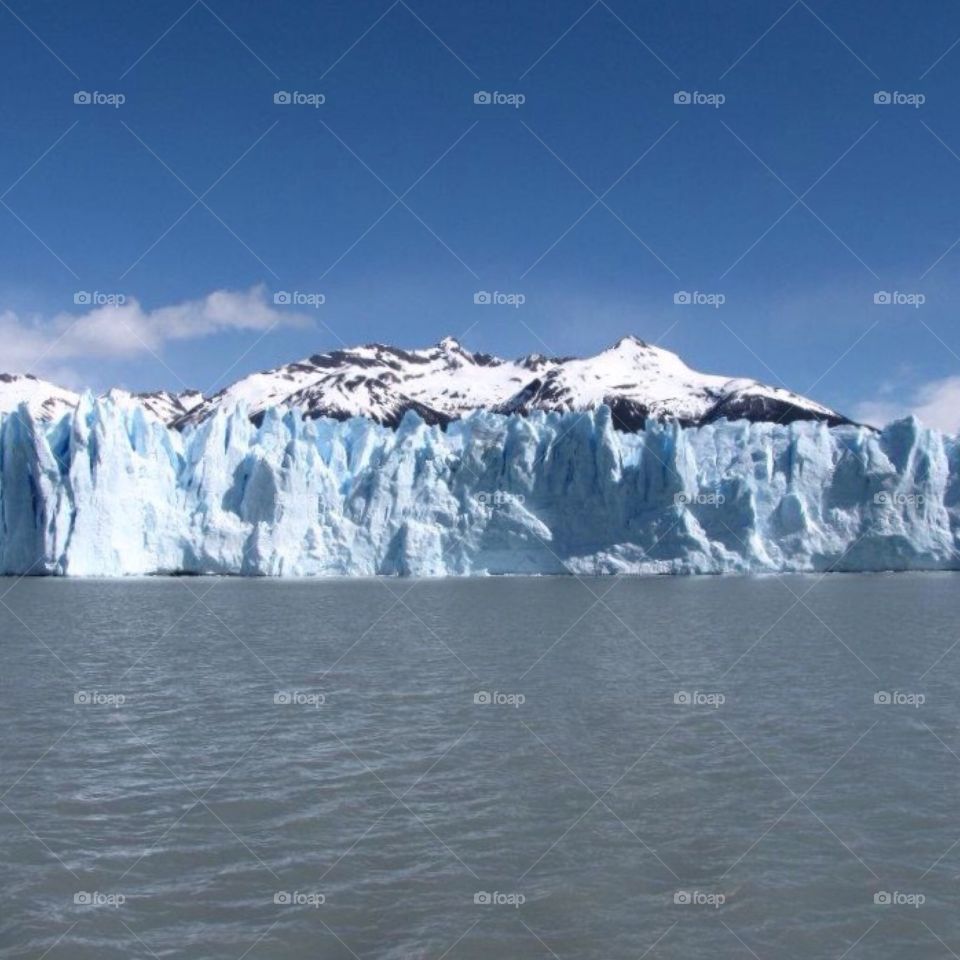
x: 105, y: 491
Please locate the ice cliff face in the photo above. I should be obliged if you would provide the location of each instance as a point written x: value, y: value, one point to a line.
x: 107, y: 490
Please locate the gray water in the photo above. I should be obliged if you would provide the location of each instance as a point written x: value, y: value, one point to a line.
x: 185, y: 805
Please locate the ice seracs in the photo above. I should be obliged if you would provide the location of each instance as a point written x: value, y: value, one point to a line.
x: 107, y: 489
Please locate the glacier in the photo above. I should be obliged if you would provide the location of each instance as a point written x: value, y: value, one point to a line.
x: 106, y: 491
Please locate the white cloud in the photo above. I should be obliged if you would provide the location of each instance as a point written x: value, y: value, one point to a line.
x: 126, y: 330
x: 936, y: 403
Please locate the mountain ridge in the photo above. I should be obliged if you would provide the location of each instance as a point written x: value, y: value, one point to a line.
x: 637, y: 380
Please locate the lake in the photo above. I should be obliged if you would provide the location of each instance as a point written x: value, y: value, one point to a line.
x: 524, y: 767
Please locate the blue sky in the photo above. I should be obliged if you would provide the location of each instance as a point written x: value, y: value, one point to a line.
x: 599, y: 198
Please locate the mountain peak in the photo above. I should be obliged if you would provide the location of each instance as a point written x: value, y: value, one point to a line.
x: 449, y: 344
x: 630, y: 341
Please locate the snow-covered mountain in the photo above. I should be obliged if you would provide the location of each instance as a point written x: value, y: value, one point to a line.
x: 44, y: 400
x: 47, y: 401
x: 163, y: 405
x: 636, y: 380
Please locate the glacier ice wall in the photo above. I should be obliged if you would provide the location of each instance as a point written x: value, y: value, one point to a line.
x: 104, y: 491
